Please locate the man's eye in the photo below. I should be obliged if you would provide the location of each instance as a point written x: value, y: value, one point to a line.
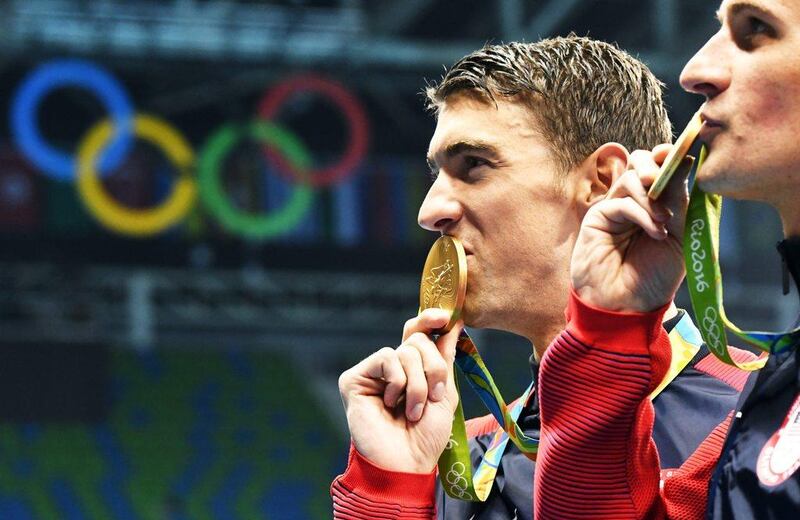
x: 751, y: 29
x: 474, y: 162
x: 756, y: 26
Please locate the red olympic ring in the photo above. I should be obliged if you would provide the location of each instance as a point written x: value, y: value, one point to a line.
x: 353, y: 112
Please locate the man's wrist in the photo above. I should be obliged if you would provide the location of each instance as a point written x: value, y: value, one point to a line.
x: 598, y: 299
x: 610, y: 329
x: 415, y: 489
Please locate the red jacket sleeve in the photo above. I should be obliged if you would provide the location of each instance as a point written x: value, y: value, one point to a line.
x: 596, y: 456
x: 366, y: 492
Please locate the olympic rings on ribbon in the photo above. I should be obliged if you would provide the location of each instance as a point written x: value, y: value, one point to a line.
x: 125, y: 220
x: 79, y: 73
x: 351, y: 109
x: 213, y: 194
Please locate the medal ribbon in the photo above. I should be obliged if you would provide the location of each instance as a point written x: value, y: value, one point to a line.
x: 701, y: 253
x: 455, y: 466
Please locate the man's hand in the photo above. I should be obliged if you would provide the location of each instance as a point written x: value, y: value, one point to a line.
x: 400, y: 402
x: 629, y: 253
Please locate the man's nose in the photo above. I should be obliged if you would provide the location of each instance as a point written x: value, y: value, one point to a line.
x: 440, y: 209
x: 708, y: 72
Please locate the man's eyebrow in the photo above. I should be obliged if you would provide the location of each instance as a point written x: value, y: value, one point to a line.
x: 460, y: 147
x: 738, y: 7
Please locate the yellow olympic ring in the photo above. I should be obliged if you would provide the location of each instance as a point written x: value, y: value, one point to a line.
x: 138, y: 222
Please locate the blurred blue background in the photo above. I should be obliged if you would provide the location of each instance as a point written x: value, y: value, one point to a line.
x: 187, y: 369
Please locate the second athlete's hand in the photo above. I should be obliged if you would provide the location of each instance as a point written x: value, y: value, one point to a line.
x: 628, y: 256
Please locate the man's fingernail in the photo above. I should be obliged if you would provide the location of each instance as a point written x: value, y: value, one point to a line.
x: 438, y: 392
x: 416, y: 412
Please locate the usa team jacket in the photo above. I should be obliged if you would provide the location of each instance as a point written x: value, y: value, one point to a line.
x: 686, y: 412
x: 600, y: 456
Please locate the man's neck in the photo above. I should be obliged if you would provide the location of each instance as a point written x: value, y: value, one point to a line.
x: 543, y: 339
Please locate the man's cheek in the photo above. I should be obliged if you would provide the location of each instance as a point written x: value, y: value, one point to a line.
x: 778, y: 105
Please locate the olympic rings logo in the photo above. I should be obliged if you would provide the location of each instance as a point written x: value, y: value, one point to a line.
x: 458, y: 483
x: 106, y: 145
x: 715, y: 337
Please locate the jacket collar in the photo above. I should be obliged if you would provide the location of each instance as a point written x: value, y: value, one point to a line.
x: 789, y: 249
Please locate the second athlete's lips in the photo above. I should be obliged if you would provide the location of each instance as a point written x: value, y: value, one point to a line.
x: 708, y: 132
x: 710, y: 128
x: 710, y: 121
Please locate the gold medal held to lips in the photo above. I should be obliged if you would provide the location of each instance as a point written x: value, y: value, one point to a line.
x: 444, y: 279
x: 677, y: 156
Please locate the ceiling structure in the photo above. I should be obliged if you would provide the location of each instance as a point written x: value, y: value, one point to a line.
x: 409, y: 35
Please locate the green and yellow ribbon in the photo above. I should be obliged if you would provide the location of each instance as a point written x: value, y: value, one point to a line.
x: 701, y: 253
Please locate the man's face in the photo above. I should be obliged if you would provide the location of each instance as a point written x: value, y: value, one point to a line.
x: 750, y: 73
x: 497, y: 191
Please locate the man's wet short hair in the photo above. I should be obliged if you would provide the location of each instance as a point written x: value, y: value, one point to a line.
x: 582, y: 92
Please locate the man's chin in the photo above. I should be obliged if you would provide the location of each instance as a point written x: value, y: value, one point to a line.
x: 475, y: 316
x: 730, y: 180
x: 727, y: 184
x: 708, y: 183
x: 716, y: 178
x: 470, y: 316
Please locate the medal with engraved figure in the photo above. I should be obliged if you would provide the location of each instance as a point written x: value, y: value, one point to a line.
x: 444, y: 279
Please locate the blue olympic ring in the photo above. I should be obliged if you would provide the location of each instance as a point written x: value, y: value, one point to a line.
x: 72, y: 72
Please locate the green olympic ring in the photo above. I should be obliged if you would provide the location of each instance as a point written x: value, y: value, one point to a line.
x: 213, y: 195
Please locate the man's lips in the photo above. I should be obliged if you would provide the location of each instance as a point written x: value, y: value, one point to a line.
x: 711, y: 127
x: 465, y: 245
x: 710, y: 121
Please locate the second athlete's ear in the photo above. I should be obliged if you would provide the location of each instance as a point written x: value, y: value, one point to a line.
x: 599, y: 171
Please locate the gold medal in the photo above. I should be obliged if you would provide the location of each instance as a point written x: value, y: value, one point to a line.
x: 444, y: 279
x: 677, y: 156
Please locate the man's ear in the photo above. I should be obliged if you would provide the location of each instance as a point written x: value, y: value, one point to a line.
x: 599, y: 171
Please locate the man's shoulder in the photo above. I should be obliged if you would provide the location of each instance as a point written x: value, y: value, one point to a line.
x: 695, y: 403
x: 707, y: 387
